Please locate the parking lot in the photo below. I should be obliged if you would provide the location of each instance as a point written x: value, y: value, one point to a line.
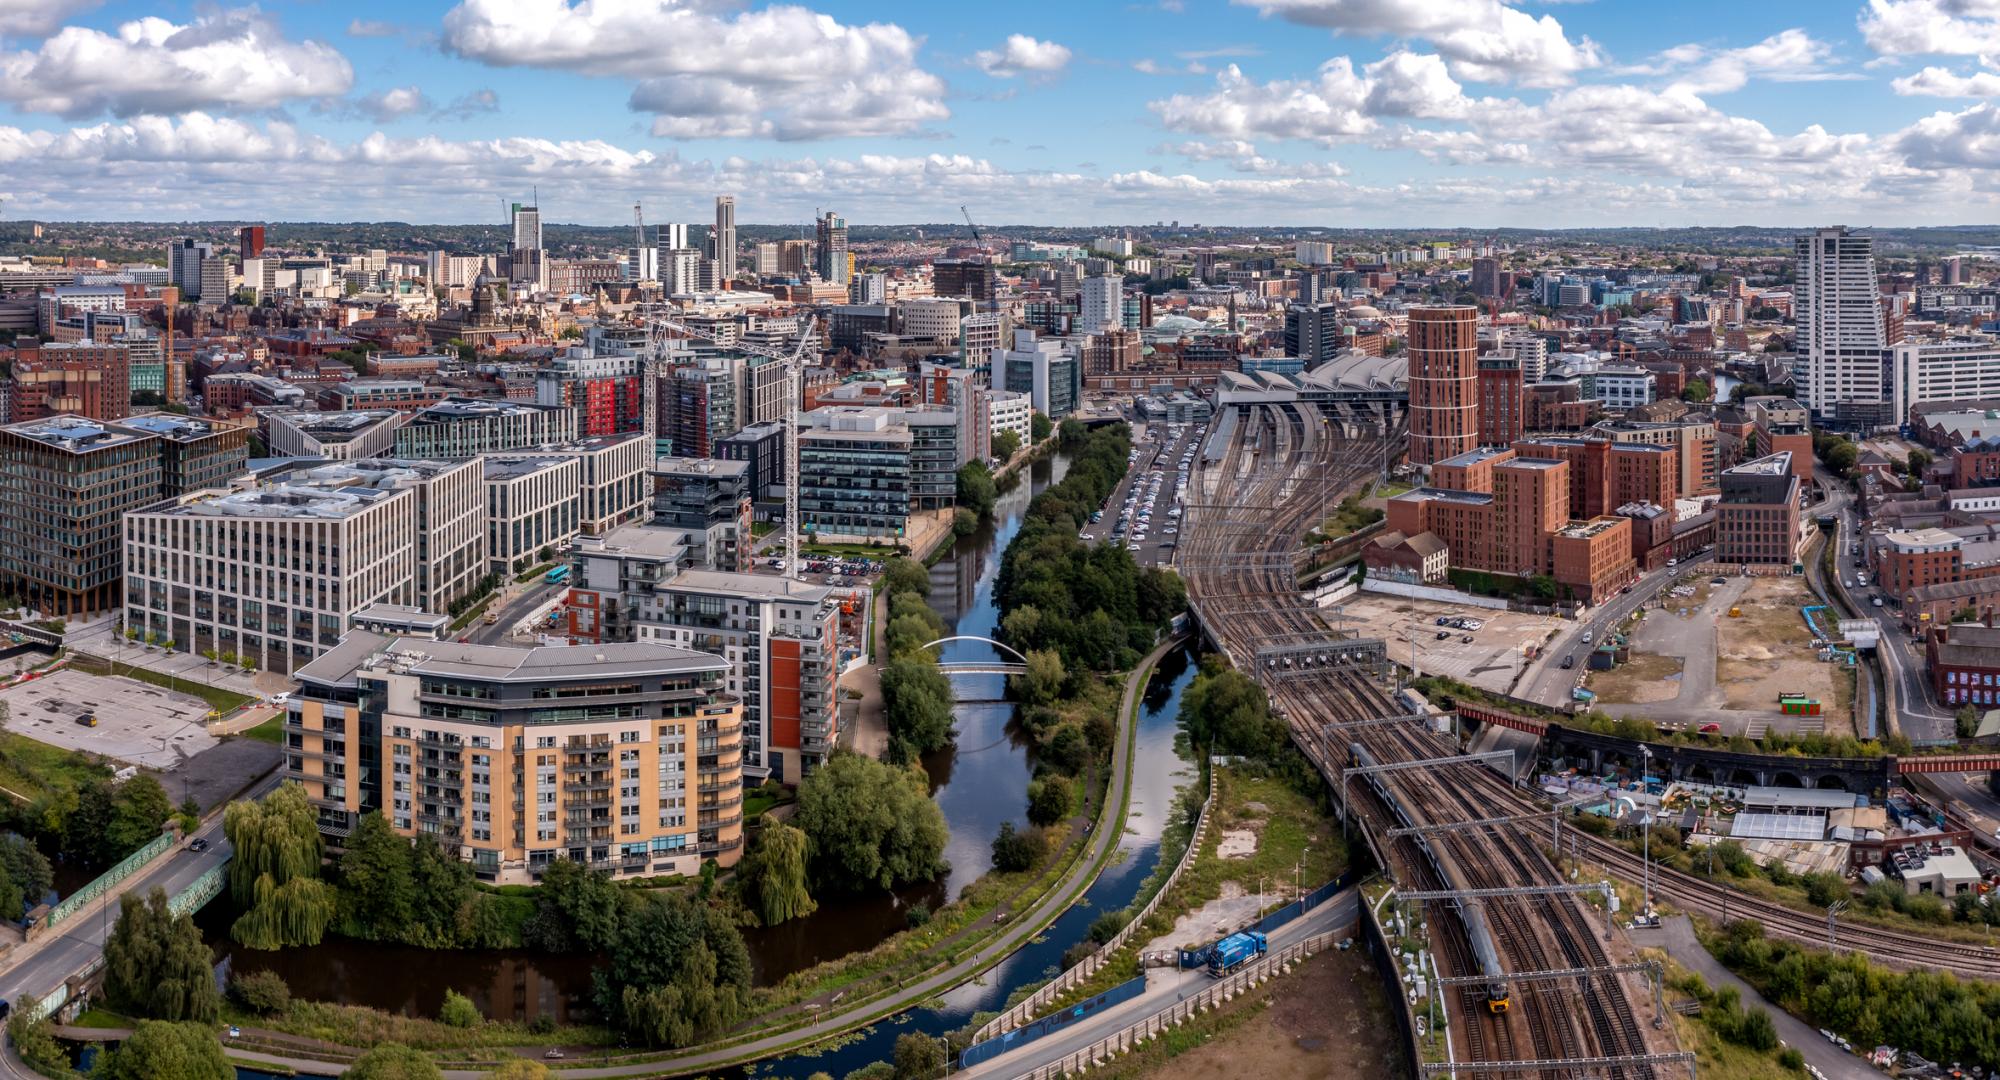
x: 137, y: 723
x: 1144, y: 512
x: 1489, y: 661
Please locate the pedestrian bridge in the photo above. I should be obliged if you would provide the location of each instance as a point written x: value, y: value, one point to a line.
x: 982, y: 667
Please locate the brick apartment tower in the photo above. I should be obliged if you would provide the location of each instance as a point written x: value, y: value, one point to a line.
x: 1444, y: 382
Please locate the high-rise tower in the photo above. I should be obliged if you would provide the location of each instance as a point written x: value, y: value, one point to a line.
x: 1444, y: 382
x: 1840, y: 336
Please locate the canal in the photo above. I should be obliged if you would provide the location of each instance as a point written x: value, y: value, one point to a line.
x: 978, y: 783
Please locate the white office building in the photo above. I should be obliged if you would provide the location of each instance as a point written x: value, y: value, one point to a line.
x: 1011, y: 411
x: 1840, y: 335
x: 1960, y: 370
x: 1103, y: 304
x: 532, y: 503
x: 1623, y: 388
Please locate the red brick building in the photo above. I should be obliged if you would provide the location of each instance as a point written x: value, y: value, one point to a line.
x: 1502, y: 401
x: 1444, y: 376
x: 81, y: 378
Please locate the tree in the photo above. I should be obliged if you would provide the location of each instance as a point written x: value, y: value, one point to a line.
x: 1071, y: 434
x: 976, y: 490
x: 156, y: 965
x: 260, y: 992
x: 520, y: 1069
x: 916, y: 703
x: 1695, y: 390
x: 392, y: 1061
x: 1044, y: 681
x: 23, y: 867
x: 680, y: 972
x: 870, y: 825
x: 1967, y: 721
x: 35, y: 1041
x: 918, y: 1056
x: 458, y: 1011
x: 780, y: 875
x: 577, y: 909
x: 158, y: 1050
x: 1919, y: 461
x: 376, y: 894
x: 274, y: 875
x: 1048, y: 800
x: 963, y: 522
x: 1067, y: 748
x: 1015, y: 850
x: 1226, y: 712
x: 906, y: 575
x: 1006, y: 445
x: 1039, y: 427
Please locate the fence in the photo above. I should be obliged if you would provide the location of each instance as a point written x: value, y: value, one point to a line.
x: 1051, y: 1023
x: 1191, y: 958
x: 1180, y: 1012
x: 1025, y: 1010
x: 129, y: 865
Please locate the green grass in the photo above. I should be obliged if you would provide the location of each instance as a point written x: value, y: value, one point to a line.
x: 101, y: 1019
x: 884, y: 552
x: 755, y: 806
x: 29, y: 768
x: 222, y: 701
x: 271, y: 731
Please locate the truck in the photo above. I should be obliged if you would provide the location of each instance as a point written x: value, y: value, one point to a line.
x: 1231, y: 952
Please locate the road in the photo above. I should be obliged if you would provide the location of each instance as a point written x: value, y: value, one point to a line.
x: 1546, y: 681
x: 1023, y: 926
x: 83, y: 938
x: 1676, y: 935
x: 511, y: 612
x: 1163, y: 454
x: 1161, y: 993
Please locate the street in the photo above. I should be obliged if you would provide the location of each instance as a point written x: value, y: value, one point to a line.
x: 511, y: 612
x: 1160, y: 994
x: 1546, y: 681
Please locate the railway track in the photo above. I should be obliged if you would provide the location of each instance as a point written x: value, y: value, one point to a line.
x: 1239, y: 571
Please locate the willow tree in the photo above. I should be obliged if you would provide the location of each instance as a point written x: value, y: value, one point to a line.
x: 781, y: 878
x: 274, y: 875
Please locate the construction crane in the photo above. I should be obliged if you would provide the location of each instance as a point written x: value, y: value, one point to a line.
x: 661, y: 328
x: 976, y: 238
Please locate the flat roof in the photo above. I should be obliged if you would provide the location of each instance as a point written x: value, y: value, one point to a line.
x: 507, y: 467
x: 652, y: 541
x: 76, y: 434
x: 1445, y: 495
x: 172, y: 426
x: 1776, y: 464
x: 1531, y: 463
x: 762, y: 586
x: 1818, y: 798
x: 1474, y: 457
x: 403, y: 614
x: 351, y: 421
x: 541, y: 663
x: 687, y: 466
x: 458, y: 408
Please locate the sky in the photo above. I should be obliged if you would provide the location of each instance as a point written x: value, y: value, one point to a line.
x: 1332, y: 113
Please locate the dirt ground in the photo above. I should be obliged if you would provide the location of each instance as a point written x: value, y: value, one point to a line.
x: 1768, y: 651
x: 1327, y: 1020
x: 1490, y: 661
x: 1643, y: 679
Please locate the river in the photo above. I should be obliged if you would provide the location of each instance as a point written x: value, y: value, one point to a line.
x: 978, y: 783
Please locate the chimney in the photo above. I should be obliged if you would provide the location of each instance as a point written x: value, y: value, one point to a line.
x: 1989, y: 617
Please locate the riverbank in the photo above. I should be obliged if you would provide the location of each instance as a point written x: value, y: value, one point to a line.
x: 1012, y: 933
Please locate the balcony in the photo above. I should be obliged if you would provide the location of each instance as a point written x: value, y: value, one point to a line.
x: 597, y: 762
x: 717, y: 847
x: 590, y: 784
x: 706, y: 822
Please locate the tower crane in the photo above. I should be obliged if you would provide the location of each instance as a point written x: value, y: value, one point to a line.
x: 661, y: 328
x: 976, y: 238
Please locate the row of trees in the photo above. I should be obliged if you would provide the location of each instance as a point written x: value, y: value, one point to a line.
x: 1933, y: 1014
x: 916, y: 696
x: 93, y: 823
x: 1093, y: 606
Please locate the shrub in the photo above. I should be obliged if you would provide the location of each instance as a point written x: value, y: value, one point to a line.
x: 261, y: 992
x: 458, y: 1011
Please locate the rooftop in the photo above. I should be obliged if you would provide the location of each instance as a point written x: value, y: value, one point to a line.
x: 76, y: 434
x: 329, y: 423
x: 503, y: 467
x: 1531, y: 463
x: 1445, y: 495
x: 277, y: 502
x: 477, y: 408
x: 1584, y: 530
x: 172, y: 426
x: 686, y: 466
x: 1777, y: 464
x: 1474, y: 457
x: 643, y: 541
x: 759, y: 586
x: 506, y: 663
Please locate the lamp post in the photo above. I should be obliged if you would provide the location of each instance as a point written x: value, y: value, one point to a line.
x: 1646, y: 827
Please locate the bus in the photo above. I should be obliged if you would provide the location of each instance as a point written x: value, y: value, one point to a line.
x: 557, y: 576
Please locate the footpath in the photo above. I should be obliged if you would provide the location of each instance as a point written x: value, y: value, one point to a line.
x: 1024, y: 926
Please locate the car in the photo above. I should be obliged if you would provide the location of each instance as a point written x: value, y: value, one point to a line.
x: 1875, y: 600
x: 1671, y: 563
x: 1444, y: 635
x: 281, y: 699
x: 1586, y: 637
x: 1711, y: 729
x: 88, y: 719
x: 1443, y: 619
x: 198, y: 844
x: 1569, y: 661
x: 1467, y: 639
x: 1718, y: 581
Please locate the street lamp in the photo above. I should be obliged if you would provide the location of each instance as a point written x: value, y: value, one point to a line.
x: 1298, y: 886
x: 1646, y: 826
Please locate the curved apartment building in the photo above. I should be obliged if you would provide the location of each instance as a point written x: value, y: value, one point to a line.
x: 1444, y: 382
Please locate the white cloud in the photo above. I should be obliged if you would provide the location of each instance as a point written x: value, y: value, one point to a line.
x: 38, y: 18
x: 1943, y: 82
x: 1969, y: 139
x: 1788, y: 56
x: 1336, y: 105
x: 372, y: 28
x: 226, y: 60
x: 386, y: 105
x: 469, y: 104
x: 1483, y: 40
x: 1917, y: 27
x: 1243, y: 157
x: 791, y: 73
x: 1022, y: 55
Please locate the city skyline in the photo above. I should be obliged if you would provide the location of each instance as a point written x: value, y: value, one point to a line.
x: 1358, y: 113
